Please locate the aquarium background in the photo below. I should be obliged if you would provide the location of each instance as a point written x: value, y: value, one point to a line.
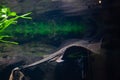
x: 56, y: 23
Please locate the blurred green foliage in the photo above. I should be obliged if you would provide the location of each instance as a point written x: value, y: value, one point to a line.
x: 40, y: 29
x: 7, y: 18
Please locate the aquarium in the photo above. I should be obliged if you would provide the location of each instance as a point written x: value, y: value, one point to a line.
x: 55, y: 39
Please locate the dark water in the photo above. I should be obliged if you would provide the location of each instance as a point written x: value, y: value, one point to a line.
x: 93, y: 27
x: 48, y: 26
x: 55, y: 21
x: 66, y: 20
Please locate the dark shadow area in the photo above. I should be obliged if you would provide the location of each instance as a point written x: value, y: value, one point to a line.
x: 34, y: 73
x: 75, y: 64
x: 5, y: 73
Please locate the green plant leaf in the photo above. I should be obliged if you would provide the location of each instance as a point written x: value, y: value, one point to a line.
x: 25, y: 16
x: 12, y: 14
x: 9, y: 42
x: 1, y: 37
x: 4, y: 16
x: 6, y: 19
x: 4, y: 10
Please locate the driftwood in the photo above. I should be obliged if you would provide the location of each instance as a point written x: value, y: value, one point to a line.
x: 94, y: 47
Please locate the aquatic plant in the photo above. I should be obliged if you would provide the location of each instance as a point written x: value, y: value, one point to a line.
x: 50, y: 30
x: 7, y: 18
